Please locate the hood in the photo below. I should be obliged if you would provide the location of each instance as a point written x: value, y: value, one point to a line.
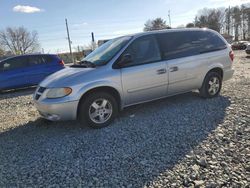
x: 65, y: 77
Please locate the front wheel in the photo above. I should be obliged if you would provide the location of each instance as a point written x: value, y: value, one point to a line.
x: 211, y: 85
x: 98, y: 110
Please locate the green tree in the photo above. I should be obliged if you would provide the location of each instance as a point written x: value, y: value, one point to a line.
x: 156, y: 24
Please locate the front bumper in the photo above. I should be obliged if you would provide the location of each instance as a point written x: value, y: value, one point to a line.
x: 57, y: 111
x: 228, y: 74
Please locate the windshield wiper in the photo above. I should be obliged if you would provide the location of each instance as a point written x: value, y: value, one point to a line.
x: 85, y: 64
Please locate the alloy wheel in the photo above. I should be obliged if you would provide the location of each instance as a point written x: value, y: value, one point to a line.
x: 100, y: 111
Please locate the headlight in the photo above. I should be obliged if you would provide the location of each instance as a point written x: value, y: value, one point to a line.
x: 58, y: 92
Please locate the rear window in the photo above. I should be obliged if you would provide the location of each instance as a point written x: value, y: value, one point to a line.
x: 188, y: 43
x: 210, y: 42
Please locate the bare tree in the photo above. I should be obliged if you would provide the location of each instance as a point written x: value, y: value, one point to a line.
x: 19, y: 40
x: 243, y: 11
x: 228, y: 18
x: 236, y: 15
x: 211, y: 18
x: 247, y: 13
x: 2, y: 52
x: 156, y: 24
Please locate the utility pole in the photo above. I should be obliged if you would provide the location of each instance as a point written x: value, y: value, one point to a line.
x: 93, y: 40
x: 169, y: 18
x: 72, y: 58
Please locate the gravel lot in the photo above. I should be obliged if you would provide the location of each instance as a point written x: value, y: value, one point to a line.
x: 182, y: 141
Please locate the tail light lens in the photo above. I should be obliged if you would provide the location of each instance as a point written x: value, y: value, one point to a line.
x: 61, y: 62
x: 231, y: 55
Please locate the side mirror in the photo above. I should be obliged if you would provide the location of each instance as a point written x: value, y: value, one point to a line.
x: 125, y: 59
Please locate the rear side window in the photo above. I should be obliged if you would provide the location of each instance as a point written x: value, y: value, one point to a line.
x: 177, y: 44
x: 36, y: 60
x: 188, y: 43
x: 14, y: 63
x: 47, y: 58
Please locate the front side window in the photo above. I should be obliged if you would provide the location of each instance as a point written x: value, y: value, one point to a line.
x: 143, y: 50
x: 107, y: 51
x: 14, y: 63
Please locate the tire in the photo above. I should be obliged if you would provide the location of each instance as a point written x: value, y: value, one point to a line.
x: 98, y: 110
x: 211, y: 85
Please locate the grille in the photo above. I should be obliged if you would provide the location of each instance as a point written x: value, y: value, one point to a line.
x: 41, y: 89
x: 39, y: 92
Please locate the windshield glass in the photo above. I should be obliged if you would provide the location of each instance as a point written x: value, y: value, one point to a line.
x: 107, y: 51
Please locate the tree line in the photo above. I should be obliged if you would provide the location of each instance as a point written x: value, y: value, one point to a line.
x: 234, y: 21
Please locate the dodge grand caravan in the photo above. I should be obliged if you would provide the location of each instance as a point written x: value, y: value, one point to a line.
x: 134, y: 69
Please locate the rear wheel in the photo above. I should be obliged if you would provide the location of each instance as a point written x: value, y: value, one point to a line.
x: 211, y: 85
x: 98, y: 110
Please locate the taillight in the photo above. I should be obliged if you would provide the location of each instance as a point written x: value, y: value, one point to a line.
x: 61, y: 62
x: 231, y: 55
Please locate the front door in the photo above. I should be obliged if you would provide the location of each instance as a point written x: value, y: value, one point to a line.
x: 145, y: 77
x: 13, y: 73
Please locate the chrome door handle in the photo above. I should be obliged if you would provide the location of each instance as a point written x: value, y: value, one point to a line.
x: 173, y: 69
x: 161, y: 71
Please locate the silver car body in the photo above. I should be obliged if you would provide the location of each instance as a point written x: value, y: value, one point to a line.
x: 248, y: 48
x: 136, y: 84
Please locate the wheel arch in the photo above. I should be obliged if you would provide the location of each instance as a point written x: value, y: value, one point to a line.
x: 108, y: 89
x: 218, y: 70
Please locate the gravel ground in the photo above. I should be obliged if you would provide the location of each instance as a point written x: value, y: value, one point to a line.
x: 182, y: 141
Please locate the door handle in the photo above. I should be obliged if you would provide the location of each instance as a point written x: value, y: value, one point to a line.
x: 173, y: 69
x: 161, y: 71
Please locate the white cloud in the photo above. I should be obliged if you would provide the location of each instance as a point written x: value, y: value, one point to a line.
x: 26, y: 9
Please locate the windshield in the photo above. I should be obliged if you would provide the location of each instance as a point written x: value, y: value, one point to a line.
x: 107, y: 51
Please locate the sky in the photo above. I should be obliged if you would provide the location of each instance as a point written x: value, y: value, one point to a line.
x: 106, y: 18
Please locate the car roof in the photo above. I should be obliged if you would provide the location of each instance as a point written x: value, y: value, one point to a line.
x: 25, y: 55
x: 34, y: 55
x: 170, y: 30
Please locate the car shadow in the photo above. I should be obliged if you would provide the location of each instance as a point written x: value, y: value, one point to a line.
x: 142, y: 143
x: 16, y: 93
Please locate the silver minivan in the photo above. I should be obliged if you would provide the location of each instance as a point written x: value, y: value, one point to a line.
x: 134, y: 69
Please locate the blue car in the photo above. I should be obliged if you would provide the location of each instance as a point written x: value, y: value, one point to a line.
x: 27, y: 70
